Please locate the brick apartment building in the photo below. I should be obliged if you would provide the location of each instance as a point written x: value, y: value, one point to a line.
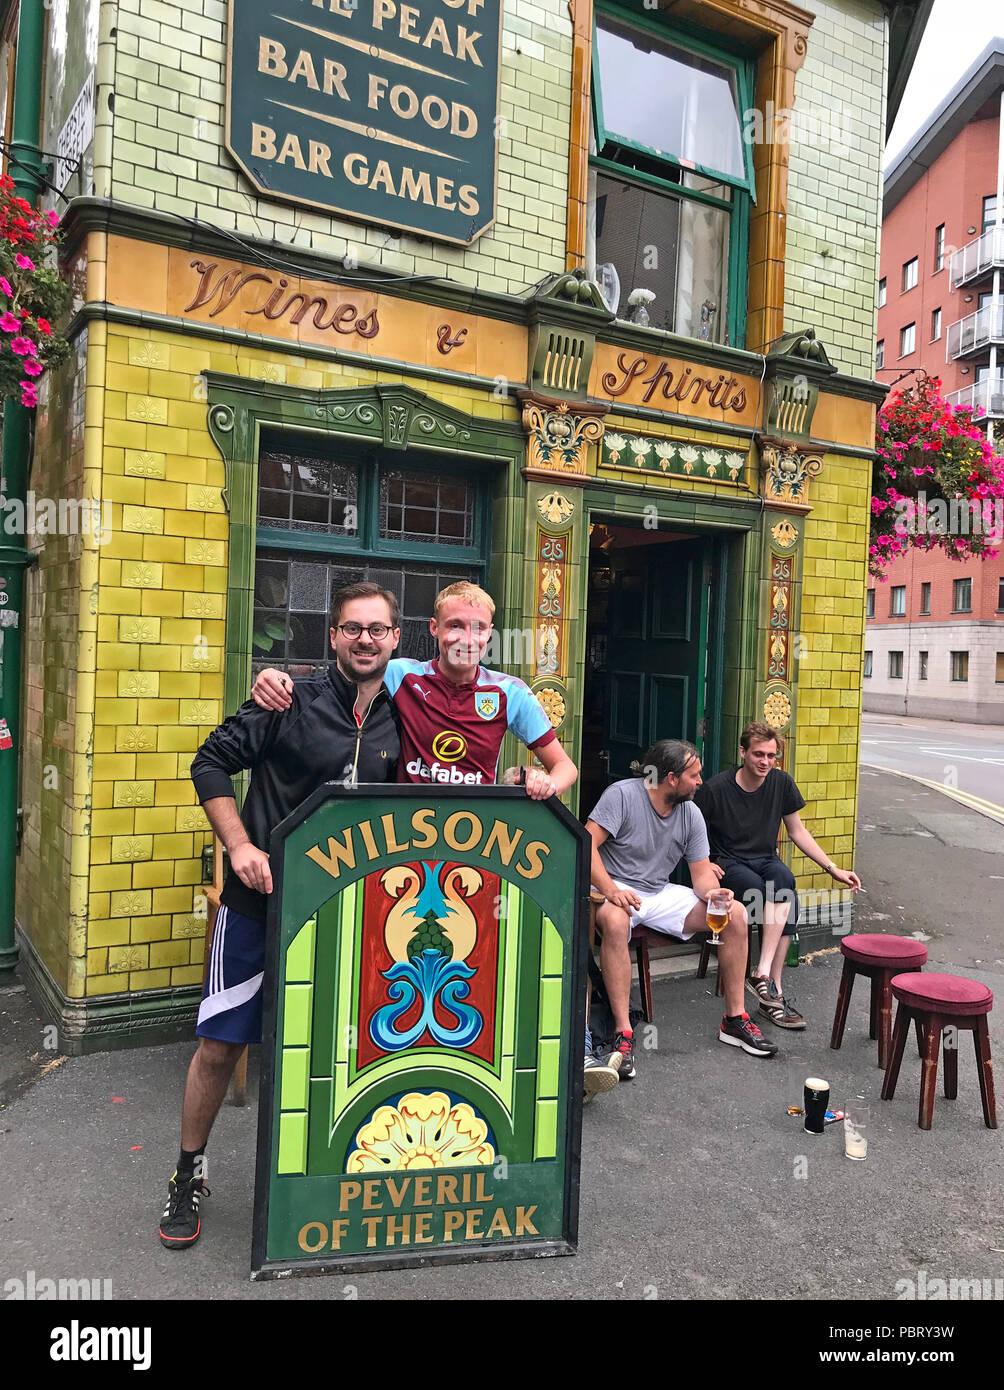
x: 935, y: 629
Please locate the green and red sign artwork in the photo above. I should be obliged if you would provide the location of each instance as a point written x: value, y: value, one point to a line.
x: 383, y: 110
x: 424, y: 1001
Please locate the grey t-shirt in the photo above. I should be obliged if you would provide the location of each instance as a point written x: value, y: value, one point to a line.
x: 644, y: 848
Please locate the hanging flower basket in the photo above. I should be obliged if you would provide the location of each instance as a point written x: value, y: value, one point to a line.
x: 936, y: 481
x: 34, y: 300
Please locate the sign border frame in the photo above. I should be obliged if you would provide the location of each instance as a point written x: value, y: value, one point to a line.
x: 262, y: 1268
x: 270, y: 193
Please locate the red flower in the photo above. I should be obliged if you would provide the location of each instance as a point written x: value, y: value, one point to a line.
x: 44, y: 327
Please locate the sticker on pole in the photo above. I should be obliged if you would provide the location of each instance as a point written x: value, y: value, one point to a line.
x: 5, y: 739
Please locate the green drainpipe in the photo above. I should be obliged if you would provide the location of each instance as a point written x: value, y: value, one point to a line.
x: 14, y: 557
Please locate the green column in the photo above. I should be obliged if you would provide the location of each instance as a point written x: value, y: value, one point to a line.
x: 25, y: 167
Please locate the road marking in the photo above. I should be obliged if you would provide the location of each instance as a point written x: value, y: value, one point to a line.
x: 974, y: 803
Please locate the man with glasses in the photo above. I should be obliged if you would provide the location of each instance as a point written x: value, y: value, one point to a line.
x: 340, y: 726
x: 743, y: 809
x: 453, y: 711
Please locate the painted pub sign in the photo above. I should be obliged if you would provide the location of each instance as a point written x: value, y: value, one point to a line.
x: 424, y: 1013
x: 383, y: 110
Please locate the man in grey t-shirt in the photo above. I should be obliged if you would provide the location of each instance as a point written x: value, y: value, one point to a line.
x: 641, y: 830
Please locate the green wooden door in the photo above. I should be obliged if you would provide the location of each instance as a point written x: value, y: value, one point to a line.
x: 656, y: 650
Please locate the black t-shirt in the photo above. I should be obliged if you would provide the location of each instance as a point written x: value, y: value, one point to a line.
x: 744, y: 825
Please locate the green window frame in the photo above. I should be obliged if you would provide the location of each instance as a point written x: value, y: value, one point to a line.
x: 610, y: 146
x: 365, y: 546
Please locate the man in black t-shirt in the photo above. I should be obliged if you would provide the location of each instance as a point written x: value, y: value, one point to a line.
x: 743, y: 809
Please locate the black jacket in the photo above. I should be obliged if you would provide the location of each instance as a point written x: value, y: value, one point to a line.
x: 290, y: 754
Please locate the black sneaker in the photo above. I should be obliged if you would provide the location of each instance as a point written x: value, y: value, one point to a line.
x: 180, y: 1225
x: 747, y: 1035
x: 624, y: 1049
x: 598, y: 1075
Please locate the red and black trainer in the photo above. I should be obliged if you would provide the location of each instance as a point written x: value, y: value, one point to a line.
x: 180, y: 1224
x: 624, y: 1049
x: 745, y: 1034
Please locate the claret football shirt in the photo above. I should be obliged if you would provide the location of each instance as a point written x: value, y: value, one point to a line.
x: 453, y: 733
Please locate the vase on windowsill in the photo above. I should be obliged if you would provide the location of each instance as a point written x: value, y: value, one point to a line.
x: 638, y: 301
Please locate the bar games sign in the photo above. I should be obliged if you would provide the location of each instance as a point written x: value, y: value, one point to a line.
x: 378, y: 109
x: 424, y: 1013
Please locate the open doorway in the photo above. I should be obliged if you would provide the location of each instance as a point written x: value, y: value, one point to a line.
x: 653, y: 648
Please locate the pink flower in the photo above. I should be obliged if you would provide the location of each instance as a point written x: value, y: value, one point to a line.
x: 24, y: 347
x: 9, y: 323
x: 24, y: 262
x: 29, y: 395
x: 33, y: 367
x: 52, y: 217
x: 6, y: 287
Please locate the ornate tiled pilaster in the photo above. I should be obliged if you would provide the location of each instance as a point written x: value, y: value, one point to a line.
x: 558, y: 437
x: 777, y: 640
x: 785, y: 471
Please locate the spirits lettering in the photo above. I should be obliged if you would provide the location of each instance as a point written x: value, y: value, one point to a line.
x: 673, y: 383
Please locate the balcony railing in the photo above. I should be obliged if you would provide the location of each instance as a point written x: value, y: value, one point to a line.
x: 977, y: 259
x: 984, y: 398
x: 975, y: 333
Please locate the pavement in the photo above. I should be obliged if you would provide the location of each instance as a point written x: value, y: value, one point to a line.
x: 967, y: 760
x: 695, y: 1182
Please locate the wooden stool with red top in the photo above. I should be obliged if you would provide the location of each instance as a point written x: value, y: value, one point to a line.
x: 938, y: 1003
x: 879, y: 957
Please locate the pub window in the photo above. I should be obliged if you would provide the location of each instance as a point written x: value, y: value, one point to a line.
x: 671, y: 178
x: 896, y: 666
x: 962, y: 596
x: 897, y: 601
x: 334, y: 513
x: 960, y: 666
x: 868, y: 664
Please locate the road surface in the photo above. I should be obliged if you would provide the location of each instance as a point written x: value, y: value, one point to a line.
x: 968, y: 758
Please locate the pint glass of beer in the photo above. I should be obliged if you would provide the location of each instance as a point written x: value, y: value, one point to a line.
x: 718, y: 913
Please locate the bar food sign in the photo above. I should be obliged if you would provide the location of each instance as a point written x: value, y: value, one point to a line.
x: 423, y: 1020
x: 381, y: 110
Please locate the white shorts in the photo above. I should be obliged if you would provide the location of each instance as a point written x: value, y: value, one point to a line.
x: 665, y: 911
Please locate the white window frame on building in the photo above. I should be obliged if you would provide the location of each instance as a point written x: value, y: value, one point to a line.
x: 910, y: 270
x: 868, y: 667
x: 939, y: 248
x: 922, y: 666
x: 962, y: 595
x: 897, y: 601
x: 925, y: 598
x: 881, y: 293
x: 989, y: 211
x: 870, y: 603
x: 880, y: 354
x: 935, y: 325
x: 907, y: 340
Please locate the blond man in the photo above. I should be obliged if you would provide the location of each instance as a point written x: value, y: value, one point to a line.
x: 454, y: 712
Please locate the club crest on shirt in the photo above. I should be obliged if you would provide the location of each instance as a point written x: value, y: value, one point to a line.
x: 486, y: 703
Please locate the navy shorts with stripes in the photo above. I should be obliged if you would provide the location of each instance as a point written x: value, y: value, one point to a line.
x: 232, y: 995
